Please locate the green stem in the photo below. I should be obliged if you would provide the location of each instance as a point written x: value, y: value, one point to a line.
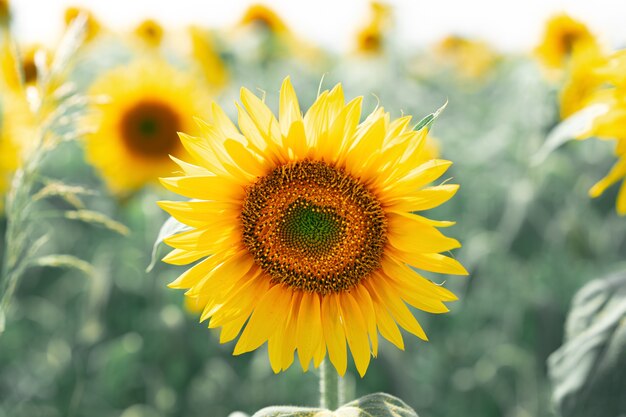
x: 331, y: 386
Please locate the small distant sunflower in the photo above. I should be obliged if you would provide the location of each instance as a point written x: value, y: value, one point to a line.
x: 264, y: 18
x: 150, y: 32
x: 207, y: 57
x: 469, y: 57
x: 371, y: 37
x: 135, y: 128
x: 563, y: 36
x: 306, y: 231
x: 92, y: 25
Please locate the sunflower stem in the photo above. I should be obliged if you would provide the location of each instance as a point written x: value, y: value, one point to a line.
x: 331, y: 386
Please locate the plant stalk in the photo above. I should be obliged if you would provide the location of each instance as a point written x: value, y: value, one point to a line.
x: 331, y: 386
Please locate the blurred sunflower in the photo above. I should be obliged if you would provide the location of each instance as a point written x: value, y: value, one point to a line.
x: 5, y: 12
x: 306, y: 228
x: 371, y: 37
x: 150, y: 33
x: 610, y: 125
x: 468, y: 57
x: 92, y: 26
x: 563, y: 36
x: 582, y: 83
x: 207, y: 58
x: 135, y: 129
x: 262, y: 17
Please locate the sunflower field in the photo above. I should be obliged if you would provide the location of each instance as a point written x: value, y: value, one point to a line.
x: 319, y: 211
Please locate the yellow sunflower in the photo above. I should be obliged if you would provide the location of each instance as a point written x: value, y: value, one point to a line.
x: 5, y: 12
x: 147, y: 102
x: 207, y: 57
x: 582, y: 82
x: 150, y: 33
x: 264, y: 18
x: 371, y: 37
x: 305, y: 229
x: 563, y: 36
x: 470, y: 57
x: 610, y: 125
x: 92, y: 25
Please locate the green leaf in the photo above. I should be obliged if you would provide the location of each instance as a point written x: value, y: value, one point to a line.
x: 427, y: 121
x: 169, y: 228
x: 376, y: 405
x: 289, y: 411
x: 587, y: 372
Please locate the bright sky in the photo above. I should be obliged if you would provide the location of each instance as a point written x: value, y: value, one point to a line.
x: 511, y: 25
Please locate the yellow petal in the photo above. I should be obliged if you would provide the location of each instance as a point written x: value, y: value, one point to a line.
x: 194, y: 274
x: 309, y: 330
x: 425, y: 199
x: 364, y: 301
x: 207, y: 238
x: 183, y: 257
x: 244, y: 158
x: 205, y: 187
x: 356, y: 331
x: 289, y: 108
x: 414, y: 282
x: 268, y: 313
x: 410, y: 235
x: 433, y: 262
x: 400, y: 312
x: 617, y: 173
x: 416, y: 179
x: 199, y: 213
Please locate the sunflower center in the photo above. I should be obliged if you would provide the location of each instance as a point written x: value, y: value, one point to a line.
x: 149, y: 129
x: 313, y: 227
x: 310, y: 229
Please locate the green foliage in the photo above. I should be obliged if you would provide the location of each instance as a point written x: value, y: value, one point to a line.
x: 588, y: 370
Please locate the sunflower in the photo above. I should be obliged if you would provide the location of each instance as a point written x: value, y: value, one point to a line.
x: 205, y: 54
x: 135, y: 128
x: 305, y: 229
x: 610, y: 124
x: 582, y: 83
x: 264, y: 18
x: 92, y: 25
x: 150, y: 33
x: 5, y: 12
x: 472, y: 58
x: 370, y: 38
x: 563, y: 36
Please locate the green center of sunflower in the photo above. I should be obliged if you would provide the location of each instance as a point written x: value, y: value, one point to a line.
x: 310, y: 229
x: 313, y: 227
x: 149, y: 129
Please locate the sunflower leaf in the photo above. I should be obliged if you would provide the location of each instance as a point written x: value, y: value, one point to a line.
x: 289, y: 411
x: 427, y: 121
x: 376, y: 405
x: 169, y: 228
x: 587, y: 371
